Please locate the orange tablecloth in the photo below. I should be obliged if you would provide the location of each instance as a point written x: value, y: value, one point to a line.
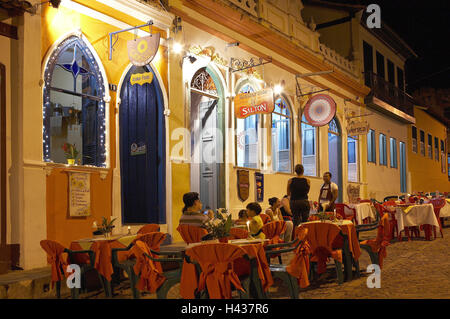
x: 189, y: 280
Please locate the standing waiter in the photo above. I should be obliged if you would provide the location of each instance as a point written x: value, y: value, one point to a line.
x: 297, y: 190
x: 328, y: 194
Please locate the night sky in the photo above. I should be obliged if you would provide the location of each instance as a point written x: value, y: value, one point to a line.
x: 425, y: 27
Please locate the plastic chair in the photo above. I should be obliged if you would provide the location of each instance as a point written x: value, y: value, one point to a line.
x: 273, y: 231
x: 320, y: 237
x: 389, y: 198
x: 149, y: 266
x: 376, y: 248
x: 296, y: 273
x: 394, y: 221
x: 214, y: 266
x: 59, y: 265
x: 438, y: 203
x: 265, y: 218
x: 345, y: 211
x: 150, y: 228
x: 191, y: 234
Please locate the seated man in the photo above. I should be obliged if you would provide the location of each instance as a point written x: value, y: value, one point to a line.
x: 192, y: 211
x: 328, y: 194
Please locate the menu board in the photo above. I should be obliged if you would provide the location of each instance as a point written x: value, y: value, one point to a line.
x: 79, y: 194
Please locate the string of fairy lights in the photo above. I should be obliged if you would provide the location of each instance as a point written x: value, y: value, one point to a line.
x: 72, y: 41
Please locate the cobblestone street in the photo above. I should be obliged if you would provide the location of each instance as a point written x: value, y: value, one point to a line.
x: 416, y: 269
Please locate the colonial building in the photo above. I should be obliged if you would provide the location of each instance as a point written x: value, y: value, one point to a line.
x: 379, y: 55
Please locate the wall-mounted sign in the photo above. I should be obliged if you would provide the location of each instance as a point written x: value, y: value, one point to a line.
x: 243, y: 183
x: 141, y: 78
x: 142, y: 51
x: 260, y: 102
x: 357, y: 128
x: 136, y: 149
x: 259, y: 182
x: 320, y: 110
x: 79, y: 194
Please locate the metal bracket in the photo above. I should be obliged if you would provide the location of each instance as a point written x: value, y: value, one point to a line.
x: 298, y: 87
x: 237, y: 65
x: 111, y: 44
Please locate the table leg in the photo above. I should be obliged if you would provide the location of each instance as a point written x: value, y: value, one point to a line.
x: 347, y: 256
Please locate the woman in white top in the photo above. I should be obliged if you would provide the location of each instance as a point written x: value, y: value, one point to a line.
x: 274, y: 213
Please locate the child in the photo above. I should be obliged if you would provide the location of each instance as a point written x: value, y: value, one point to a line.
x: 243, y: 218
x: 256, y: 223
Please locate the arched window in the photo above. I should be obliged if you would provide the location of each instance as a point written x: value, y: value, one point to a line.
x: 247, y: 150
x: 281, y: 137
x: 74, y: 109
x: 309, y: 148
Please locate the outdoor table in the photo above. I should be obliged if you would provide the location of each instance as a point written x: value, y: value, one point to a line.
x: 253, y: 247
x: 102, y: 248
x: 363, y: 211
x: 350, y: 247
x: 415, y: 215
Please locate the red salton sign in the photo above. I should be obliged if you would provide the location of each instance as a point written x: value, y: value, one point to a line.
x: 260, y: 102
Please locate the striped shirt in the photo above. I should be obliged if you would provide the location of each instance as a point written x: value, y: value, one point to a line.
x: 194, y: 219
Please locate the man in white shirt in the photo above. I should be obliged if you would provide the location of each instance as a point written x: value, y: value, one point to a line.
x: 328, y: 194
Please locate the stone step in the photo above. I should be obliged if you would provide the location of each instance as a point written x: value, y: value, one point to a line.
x: 29, y: 284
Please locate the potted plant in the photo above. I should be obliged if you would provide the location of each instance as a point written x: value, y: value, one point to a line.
x: 106, y: 227
x: 71, y: 152
x: 219, y: 227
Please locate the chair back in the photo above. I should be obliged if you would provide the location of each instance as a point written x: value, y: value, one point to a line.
x: 299, y: 264
x: 152, y: 240
x: 320, y: 235
x: 438, y: 203
x: 191, y: 234
x: 238, y: 233
x: 392, y: 197
x: 344, y: 211
x: 384, y: 230
x: 150, y: 275
x: 265, y: 218
x: 365, y: 201
x: 274, y: 229
x: 150, y: 228
x: 389, y: 203
x: 216, y: 263
x: 55, y: 258
x: 380, y: 209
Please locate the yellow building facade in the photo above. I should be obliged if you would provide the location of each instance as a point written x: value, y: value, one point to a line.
x: 427, y: 154
x: 195, y: 84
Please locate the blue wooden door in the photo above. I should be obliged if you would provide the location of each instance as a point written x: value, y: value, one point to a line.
x: 142, y: 156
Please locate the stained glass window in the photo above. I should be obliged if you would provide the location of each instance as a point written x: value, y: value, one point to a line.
x: 281, y: 137
x: 74, y: 109
x: 203, y: 81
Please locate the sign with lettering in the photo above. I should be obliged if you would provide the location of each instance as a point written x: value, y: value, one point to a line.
x: 357, y: 128
x: 79, y: 194
x: 260, y: 102
x: 136, y: 149
x: 142, y: 51
x: 259, y: 182
x: 243, y: 182
x: 141, y: 78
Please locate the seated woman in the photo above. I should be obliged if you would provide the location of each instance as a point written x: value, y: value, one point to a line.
x: 192, y: 211
x: 256, y: 223
x: 275, y: 214
x: 243, y: 218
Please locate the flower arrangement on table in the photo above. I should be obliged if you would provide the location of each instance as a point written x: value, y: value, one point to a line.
x: 323, y: 216
x: 71, y: 152
x: 219, y: 227
x: 106, y: 227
